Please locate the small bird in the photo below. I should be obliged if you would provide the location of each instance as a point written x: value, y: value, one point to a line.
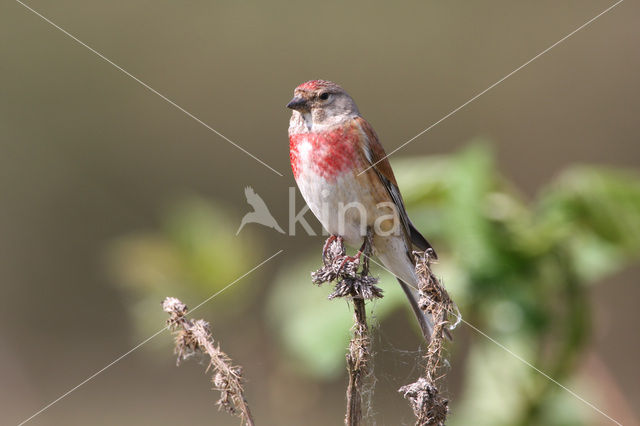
x: 260, y: 213
x: 344, y: 176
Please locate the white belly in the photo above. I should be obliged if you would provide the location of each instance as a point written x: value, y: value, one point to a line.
x: 328, y: 199
x: 335, y: 204
x: 334, y: 201
x: 340, y: 203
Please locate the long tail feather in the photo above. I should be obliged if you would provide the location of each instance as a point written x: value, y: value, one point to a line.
x: 425, y: 323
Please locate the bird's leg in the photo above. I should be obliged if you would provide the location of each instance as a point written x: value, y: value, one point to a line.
x: 327, y: 243
x: 356, y: 259
x: 327, y: 246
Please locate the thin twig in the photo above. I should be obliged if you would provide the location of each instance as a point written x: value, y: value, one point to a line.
x: 193, y: 336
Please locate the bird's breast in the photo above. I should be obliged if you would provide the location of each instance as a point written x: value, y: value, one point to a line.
x: 326, y: 154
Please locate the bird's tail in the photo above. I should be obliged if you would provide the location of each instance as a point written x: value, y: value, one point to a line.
x: 426, y: 324
x: 396, y: 259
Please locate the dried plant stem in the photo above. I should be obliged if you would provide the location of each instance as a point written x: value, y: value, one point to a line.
x: 357, y: 360
x: 192, y: 336
x: 357, y: 287
x: 429, y: 407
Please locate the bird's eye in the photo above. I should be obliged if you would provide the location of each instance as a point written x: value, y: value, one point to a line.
x: 324, y: 96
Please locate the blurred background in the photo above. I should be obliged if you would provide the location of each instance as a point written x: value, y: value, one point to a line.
x: 112, y: 199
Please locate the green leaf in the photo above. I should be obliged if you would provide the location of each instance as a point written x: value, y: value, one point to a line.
x: 595, y: 212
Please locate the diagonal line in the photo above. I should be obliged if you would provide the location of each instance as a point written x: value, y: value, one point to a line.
x: 236, y: 280
x: 124, y: 355
x: 151, y: 89
x: 516, y: 356
x: 494, y: 84
x: 524, y: 361
x: 67, y: 393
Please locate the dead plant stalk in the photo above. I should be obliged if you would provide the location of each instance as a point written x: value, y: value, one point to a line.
x: 356, y: 287
x: 193, y: 336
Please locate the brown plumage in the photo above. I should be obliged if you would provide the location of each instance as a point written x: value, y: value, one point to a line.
x: 330, y: 145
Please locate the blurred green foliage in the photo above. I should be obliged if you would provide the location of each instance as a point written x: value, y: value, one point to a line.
x: 193, y: 254
x: 516, y: 268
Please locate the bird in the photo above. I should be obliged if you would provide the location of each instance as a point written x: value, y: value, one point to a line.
x: 343, y: 174
x: 260, y: 213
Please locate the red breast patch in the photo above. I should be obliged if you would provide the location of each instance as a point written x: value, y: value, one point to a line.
x: 330, y: 153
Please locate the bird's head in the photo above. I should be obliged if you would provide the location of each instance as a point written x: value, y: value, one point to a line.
x: 322, y: 103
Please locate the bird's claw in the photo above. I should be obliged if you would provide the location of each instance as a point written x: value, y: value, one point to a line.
x: 355, y: 260
x: 327, y: 244
x: 327, y: 255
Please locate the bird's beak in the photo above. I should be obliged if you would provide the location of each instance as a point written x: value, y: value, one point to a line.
x: 297, y: 103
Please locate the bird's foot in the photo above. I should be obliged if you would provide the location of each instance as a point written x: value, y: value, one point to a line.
x: 355, y: 260
x: 344, y: 270
x: 327, y: 246
x: 347, y: 261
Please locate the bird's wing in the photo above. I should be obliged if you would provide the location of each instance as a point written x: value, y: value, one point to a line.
x: 376, y: 158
